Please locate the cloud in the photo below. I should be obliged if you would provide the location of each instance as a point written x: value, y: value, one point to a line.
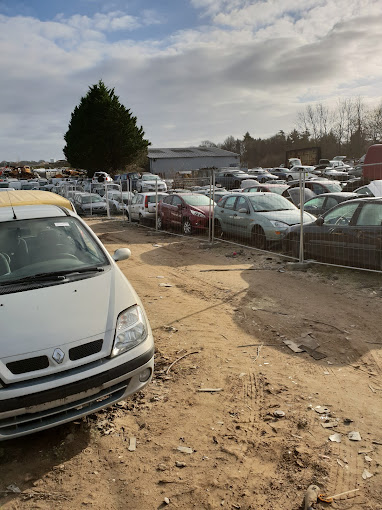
x: 225, y: 77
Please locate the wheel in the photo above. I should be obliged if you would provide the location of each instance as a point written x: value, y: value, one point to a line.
x: 258, y: 238
x: 160, y: 224
x: 187, y: 227
x: 218, y: 231
x: 289, y: 178
x: 140, y: 219
x: 113, y: 209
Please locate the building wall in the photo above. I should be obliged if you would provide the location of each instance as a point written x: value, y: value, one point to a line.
x: 167, y: 167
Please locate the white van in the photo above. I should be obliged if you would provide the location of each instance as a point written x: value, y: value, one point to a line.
x: 74, y: 337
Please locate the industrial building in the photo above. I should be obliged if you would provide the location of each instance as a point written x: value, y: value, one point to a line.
x: 167, y: 162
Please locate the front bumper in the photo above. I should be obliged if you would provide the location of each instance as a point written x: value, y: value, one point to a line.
x: 103, y: 384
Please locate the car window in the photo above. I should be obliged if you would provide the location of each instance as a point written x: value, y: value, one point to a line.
x: 330, y: 202
x: 241, y: 203
x: 315, y: 203
x: 134, y: 201
x: 341, y: 215
x: 318, y: 188
x: 370, y: 215
x: 167, y: 200
x: 364, y: 191
x: 176, y: 201
x: 229, y: 203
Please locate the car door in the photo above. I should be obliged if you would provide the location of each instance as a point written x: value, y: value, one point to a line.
x: 241, y: 218
x: 134, y: 207
x: 224, y: 213
x: 175, y: 210
x: 365, y: 237
x: 330, y: 240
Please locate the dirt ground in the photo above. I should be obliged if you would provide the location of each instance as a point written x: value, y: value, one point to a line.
x: 224, y: 331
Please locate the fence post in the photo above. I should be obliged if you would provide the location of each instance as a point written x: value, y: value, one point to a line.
x: 107, y: 200
x: 302, y: 198
x: 210, y: 211
x: 91, y: 200
x: 156, y: 205
x: 213, y: 206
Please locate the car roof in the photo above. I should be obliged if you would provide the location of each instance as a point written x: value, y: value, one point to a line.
x: 27, y: 212
x: 33, y: 197
x: 337, y: 194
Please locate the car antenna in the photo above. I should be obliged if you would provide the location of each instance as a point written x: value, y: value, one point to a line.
x: 10, y: 203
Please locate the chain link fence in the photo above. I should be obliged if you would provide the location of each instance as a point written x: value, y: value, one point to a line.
x: 336, y: 227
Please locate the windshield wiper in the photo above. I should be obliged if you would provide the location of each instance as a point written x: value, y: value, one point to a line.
x: 54, y: 275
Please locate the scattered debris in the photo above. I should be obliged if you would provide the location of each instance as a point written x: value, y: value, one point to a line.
x: 176, y: 361
x: 335, y: 438
x: 157, y: 245
x: 322, y: 410
x: 278, y: 413
x: 312, y: 352
x: 166, y: 501
x: 364, y: 451
x: 348, y: 421
x: 132, y: 444
x: 180, y: 464
x: 210, y: 390
x: 311, y: 496
x: 329, y: 499
x: 354, y: 436
x: 366, y: 474
x: 368, y: 459
x: 329, y: 424
x: 185, y: 449
x: 13, y: 488
x: 340, y: 463
x: 293, y: 346
x: 170, y: 329
x: 165, y: 285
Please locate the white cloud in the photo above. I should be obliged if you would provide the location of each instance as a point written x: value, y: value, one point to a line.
x: 250, y: 69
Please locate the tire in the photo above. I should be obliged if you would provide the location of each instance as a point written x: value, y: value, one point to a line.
x: 218, y: 230
x: 289, y: 178
x: 113, y: 209
x: 160, y: 224
x: 186, y: 227
x: 258, y: 239
x: 140, y: 219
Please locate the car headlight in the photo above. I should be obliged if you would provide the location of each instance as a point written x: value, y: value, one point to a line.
x: 197, y: 213
x: 130, y: 331
x: 279, y: 224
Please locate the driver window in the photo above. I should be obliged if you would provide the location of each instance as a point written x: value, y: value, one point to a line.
x: 370, y: 215
x: 341, y: 215
x: 241, y: 203
x: 315, y: 203
x: 229, y: 203
x: 176, y: 201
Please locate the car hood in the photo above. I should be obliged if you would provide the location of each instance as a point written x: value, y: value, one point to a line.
x: 59, y: 315
x: 290, y: 217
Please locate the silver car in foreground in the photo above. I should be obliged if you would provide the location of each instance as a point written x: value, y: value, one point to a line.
x: 260, y: 217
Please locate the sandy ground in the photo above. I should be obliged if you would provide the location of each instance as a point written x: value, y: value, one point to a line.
x: 225, y: 331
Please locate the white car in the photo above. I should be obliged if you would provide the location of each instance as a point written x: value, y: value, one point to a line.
x: 143, y: 206
x: 148, y: 182
x: 84, y: 341
x: 119, y: 202
x: 374, y: 189
x: 101, y: 177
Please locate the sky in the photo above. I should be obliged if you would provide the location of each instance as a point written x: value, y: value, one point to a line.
x: 189, y: 70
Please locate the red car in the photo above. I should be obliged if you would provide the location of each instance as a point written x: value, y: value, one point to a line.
x: 188, y: 211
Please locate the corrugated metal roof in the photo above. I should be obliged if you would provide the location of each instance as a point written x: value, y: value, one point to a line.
x: 188, y: 152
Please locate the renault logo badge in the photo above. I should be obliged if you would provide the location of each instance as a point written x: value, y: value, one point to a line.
x: 58, y: 356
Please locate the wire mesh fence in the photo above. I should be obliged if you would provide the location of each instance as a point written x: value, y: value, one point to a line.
x: 312, y: 219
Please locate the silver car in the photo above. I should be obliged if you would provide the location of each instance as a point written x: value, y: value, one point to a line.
x: 259, y: 217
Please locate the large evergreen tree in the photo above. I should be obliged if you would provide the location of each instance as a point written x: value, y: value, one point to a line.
x: 102, y: 133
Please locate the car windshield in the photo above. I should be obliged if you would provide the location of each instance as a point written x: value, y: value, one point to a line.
x: 197, y: 200
x: 86, y: 199
x: 278, y: 189
x: 150, y: 178
x: 270, y: 202
x: 36, y: 248
x: 333, y: 186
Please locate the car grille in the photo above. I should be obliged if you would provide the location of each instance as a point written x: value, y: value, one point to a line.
x: 24, y: 366
x: 82, y: 351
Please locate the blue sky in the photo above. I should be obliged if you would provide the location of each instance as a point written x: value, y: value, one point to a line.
x: 190, y: 70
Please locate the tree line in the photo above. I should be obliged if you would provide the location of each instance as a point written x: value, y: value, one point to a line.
x: 347, y: 129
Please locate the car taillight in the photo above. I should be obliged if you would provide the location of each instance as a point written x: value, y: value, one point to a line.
x: 146, y: 201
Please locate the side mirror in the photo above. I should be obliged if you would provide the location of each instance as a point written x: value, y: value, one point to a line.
x: 319, y: 221
x: 121, y: 254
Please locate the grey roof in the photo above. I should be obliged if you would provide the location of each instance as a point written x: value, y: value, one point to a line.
x: 188, y: 152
